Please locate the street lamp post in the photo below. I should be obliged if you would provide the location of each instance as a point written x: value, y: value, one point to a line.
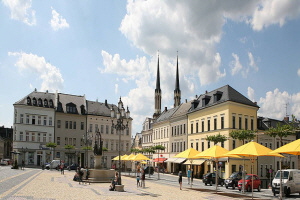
x: 122, y: 118
x: 87, y: 140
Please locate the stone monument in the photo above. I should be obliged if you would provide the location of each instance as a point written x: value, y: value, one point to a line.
x: 98, y: 174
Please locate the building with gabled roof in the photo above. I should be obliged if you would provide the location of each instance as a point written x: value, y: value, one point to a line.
x: 219, y: 112
x: 65, y: 119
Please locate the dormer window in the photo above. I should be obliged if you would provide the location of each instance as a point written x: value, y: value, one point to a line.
x: 28, y: 101
x: 51, y: 103
x: 45, y: 102
x: 59, y: 107
x: 71, y: 108
x: 34, y: 101
x: 205, y: 100
x: 40, y: 104
x: 82, y: 109
x: 217, y: 96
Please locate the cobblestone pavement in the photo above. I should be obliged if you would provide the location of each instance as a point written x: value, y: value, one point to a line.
x: 36, y: 184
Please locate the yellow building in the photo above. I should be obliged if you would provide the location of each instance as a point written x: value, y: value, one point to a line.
x: 220, y: 111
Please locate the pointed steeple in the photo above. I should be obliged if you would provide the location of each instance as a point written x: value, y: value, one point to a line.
x: 177, y: 92
x: 157, y: 94
x: 157, y: 76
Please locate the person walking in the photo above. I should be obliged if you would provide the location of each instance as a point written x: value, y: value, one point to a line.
x: 192, y: 176
x: 180, y: 179
x: 189, y: 175
x: 138, y: 179
x: 143, y: 177
x: 62, y: 168
x: 23, y: 165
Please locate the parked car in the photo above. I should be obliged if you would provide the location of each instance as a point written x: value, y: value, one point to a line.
x: 210, y: 178
x: 5, y: 161
x: 248, y: 183
x: 73, y: 167
x: 233, y: 180
x: 146, y: 169
x: 290, y: 180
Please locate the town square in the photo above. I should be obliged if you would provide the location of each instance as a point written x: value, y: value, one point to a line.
x: 149, y: 99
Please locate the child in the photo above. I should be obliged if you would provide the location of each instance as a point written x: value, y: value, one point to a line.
x: 138, y: 179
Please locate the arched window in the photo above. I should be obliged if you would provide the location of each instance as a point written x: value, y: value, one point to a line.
x: 45, y: 102
x: 34, y: 101
x: 28, y: 101
x: 40, y: 103
x: 51, y: 103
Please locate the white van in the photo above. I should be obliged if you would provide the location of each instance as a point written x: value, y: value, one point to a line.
x: 53, y: 164
x: 290, y: 179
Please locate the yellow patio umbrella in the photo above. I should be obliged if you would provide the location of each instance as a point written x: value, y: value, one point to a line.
x: 252, y: 149
x: 189, y: 154
x: 290, y: 148
x: 143, y: 162
x: 215, y: 153
x: 117, y: 157
x: 130, y: 157
x: 139, y: 157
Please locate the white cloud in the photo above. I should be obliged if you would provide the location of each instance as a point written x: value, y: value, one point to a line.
x: 50, y: 75
x: 251, y: 94
x: 252, y: 62
x: 273, y: 105
x: 236, y: 66
x: 21, y: 10
x: 298, y: 72
x: 274, y: 12
x: 58, y: 22
x: 194, y: 28
x: 116, y: 88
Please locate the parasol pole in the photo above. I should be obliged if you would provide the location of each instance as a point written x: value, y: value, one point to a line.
x: 280, y: 182
x: 217, y: 174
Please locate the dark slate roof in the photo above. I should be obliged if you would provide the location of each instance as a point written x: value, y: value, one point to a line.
x: 65, y: 99
x: 268, y: 123
x: 37, y: 95
x: 227, y: 93
x: 166, y: 115
x: 97, y: 108
x: 182, y: 110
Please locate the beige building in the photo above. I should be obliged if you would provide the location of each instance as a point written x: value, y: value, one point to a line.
x: 219, y: 112
x: 67, y: 120
x: 70, y: 127
x: 99, y: 120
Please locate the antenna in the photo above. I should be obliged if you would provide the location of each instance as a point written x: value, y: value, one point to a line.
x: 286, y: 107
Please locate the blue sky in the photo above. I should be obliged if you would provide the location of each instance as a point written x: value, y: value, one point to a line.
x: 108, y: 49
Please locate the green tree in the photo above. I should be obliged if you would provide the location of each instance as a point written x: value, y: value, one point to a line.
x: 216, y: 138
x: 242, y: 135
x: 281, y: 131
x: 52, y: 145
x: 69, y: 147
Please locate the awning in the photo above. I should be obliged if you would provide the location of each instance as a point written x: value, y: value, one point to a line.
x: 171, y: 159
x: 194, y: 162
x: 176, y: 160
x: 159, y: 160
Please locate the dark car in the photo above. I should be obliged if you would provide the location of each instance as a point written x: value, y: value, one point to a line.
x: 210, y: 178
x: 146, y: 169
x: 233, y: 180
x: 73, y: 167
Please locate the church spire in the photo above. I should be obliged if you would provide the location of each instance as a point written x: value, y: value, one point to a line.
x: 157, y: 94
x: 177, y: 92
